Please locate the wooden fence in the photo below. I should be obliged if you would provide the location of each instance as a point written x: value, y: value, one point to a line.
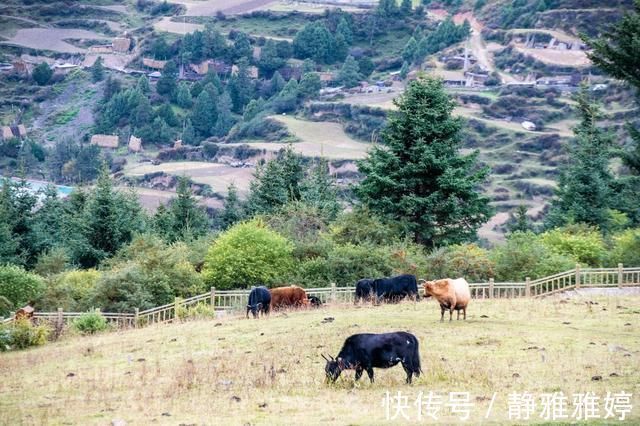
x: 235, y: 300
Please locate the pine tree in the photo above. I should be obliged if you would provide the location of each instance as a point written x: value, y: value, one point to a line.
x: 519, y: 220
x: 188, y: 220
x: 419, y: 179
x: 225, y: 119
x: 310, y: 85
x: 204, y: 114
x: 319, y: 190
x: 183, y: 96
x: 143, y: 85
x: 166, y: 84
x: 405, y: 7
x: 189, y: 134
x: 241, y: 87
x: 345, y: 29
x: 404, y: 71
x: 233, y: 211
x: 276, y: 83
x: 584, y: 187
x: 349, y: 74
x: 410, y: 50
x: 97, y: 70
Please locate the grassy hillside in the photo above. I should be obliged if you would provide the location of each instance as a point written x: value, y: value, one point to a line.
x: 237, y: 371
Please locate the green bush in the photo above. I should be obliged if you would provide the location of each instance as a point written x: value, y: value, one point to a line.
x: 582, y: 243
x: 200, y: 310
x: 625, y: 248
x: 523, y: 255
x: 23, y: 334
x: 464, y: 260
x: 247, y: 254
x: 90, y: 323
x: 362, y: 226
x: 72, y: 291
x: 18, y: 286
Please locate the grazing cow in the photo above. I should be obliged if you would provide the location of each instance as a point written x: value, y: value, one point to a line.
x: 362, y: 352
x: 450, y: 294
x: 293, y: 296
x: 259, y: 301
x: 315, y: 301
x: 396, y: 288
x: 364, y: 290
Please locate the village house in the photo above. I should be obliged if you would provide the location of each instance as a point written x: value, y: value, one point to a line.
x: 252, y: 71
x: 121, y: 44
x: 105, y: 141
x: 153, y: 63
x: 10, y: 132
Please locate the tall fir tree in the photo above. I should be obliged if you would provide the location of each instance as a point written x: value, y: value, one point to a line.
x: 349, y: 74
x: 584, y: 187
x: 420, y: 179
x: 188, y: 219
x: 233, y: 210
x: 320, y: 191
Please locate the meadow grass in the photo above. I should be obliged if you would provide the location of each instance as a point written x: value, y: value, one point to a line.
x: 269, y: 371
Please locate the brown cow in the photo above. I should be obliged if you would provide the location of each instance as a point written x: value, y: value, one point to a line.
x: 451, y: 294
x: 292, y: 296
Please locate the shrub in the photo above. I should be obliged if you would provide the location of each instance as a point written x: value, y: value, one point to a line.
x: 71, y: 291
x: 464, y: 260
x: 524, y: 255
x: 23, y: 334
x: 19, y: 286
x: 362, y: 226
x: 249, y: 253
x: 625, y: 247
x: 582, y: 243
x: 90, y: 323
x: 198, y: 311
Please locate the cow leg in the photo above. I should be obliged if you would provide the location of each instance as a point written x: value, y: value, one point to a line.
x: 359, y: 372
x: 408, y: 370
x: 370, y: 373
x: 458, y: 317
x: 450, y: 314
x: 441, y: 313
x: 464, y: 311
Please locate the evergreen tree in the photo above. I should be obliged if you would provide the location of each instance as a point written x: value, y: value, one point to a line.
x: 404, y: 71
x: 204, y: 115
x: 269, y: 60
x: 287, y: 99
x: 310, y: 85
x: 410, y: 50
x: 233, y: 211
x: 319, y: 190
x: 189, y: 133
x: 254, y: 107
x: 241, y: 87
x: 349, y: 74
x: 165, y: 111
x: 519, y: 220
x: 344, y: 29
x: 143, y: 85
x: 405, y: 7
x: 308, y: 66
x: 188, y: 220
x: 183, y: 96
x: 584, y: 187
x: 225, y: 119
x: 419, y: 179
x: 387, y: 8
x: 111, y: 87
x: 166, y: 84
x: 276, y: 83
x: 339, y: 50
x: 97, y: 70
x: 42, y: 73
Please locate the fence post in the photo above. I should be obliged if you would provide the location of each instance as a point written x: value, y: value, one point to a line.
x: 620, y: 276
x: 176, y: 306
x: 333, y: 292
x: 491, y: 294
x: 578, y: 278
x: 136, y: 317
x: 60, y: 320
x: 213, y: 297
x: 527, y: 288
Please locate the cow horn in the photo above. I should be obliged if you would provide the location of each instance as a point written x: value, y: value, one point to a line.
x: 323, y: 356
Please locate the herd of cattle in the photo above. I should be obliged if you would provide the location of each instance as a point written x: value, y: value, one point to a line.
x: 451, y: 294
x: 362, y: 352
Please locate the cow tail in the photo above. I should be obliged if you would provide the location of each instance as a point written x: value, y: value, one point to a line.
x: 416, y: 358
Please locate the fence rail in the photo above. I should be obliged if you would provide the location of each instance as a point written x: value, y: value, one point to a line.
x: 234, y: 300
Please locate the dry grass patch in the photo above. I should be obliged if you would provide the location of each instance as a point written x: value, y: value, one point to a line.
x: 237, y: 371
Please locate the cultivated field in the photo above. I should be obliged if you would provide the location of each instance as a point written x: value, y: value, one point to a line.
x: 237, y: 371
x: 218, y: 176
x: 51, y: 39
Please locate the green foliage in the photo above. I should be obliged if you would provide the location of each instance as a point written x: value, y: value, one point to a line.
x: 198, y: 311
x: 583, y: 244
x: 310, y: 85
x: 316, y: 42
x: 524, y: 255
x: 42, y: 73
x: 233, y: 211
x: 420, y: 179
x: 22, y: 334
x: 319, y: 190
x: 183, y: 95
x: 625, y: 248
x: 248, y: 254
x: 90, y: 323
x: 167, y: 84
x: 349, y: 74
x: 287, y: 99
x: 464, y: 260
x: 446, y: 34
x: 185, y: 219
x: 19, y: 286
x: 519, y: 221
x: 362, y: 226
x: 584, y: 187
x: 147, y: 273
x: 97, y: 70
x: 204, y: 114
x: 72, y: 291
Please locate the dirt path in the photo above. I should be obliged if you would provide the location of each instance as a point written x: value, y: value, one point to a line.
x: 52, y: 39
